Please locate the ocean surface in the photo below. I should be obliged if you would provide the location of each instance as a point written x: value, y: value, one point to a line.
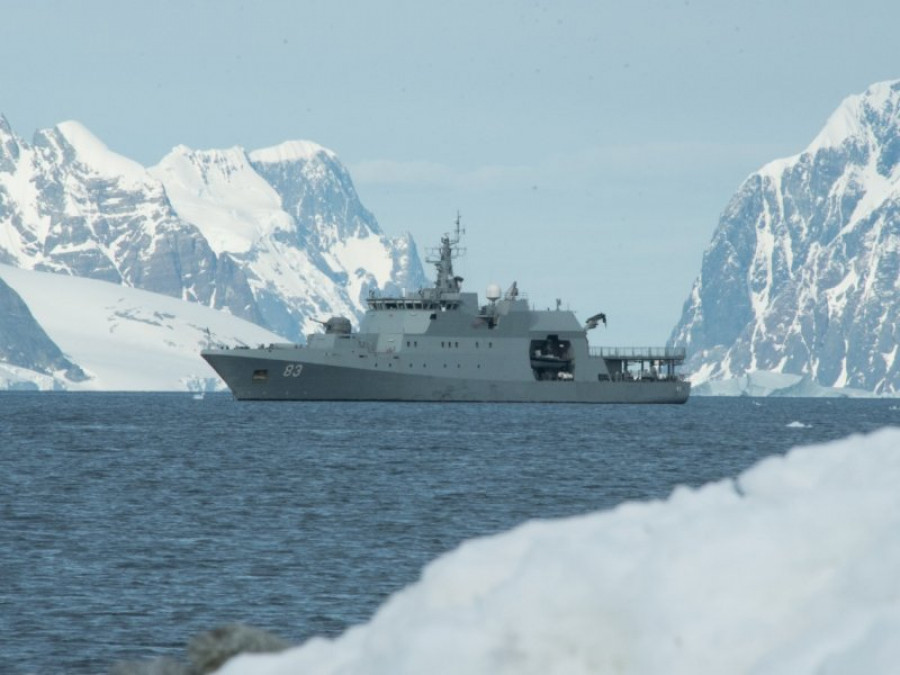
x: 132, y: 522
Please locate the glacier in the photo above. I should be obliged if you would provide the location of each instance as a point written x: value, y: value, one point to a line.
x: 802, y: 276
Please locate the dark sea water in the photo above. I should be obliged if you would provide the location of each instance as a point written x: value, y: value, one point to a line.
x: 131, y: 522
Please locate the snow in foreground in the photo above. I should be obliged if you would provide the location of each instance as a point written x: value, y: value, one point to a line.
x: 789, y: 569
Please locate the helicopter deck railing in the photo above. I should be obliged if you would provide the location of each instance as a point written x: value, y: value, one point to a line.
x: 640, y: 353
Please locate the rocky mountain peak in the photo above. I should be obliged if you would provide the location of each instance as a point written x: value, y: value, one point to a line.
x: 291, y: 151
x: 800, y: 276
x: 870, y: 118
x: 277, y: 236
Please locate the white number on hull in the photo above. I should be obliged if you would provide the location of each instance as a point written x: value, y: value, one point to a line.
x: 292, y: 370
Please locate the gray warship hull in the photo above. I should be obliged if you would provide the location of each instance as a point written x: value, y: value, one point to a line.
x: 440, y: 344
x: 280, y: 373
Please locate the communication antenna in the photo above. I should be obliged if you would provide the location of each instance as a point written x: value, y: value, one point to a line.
x: 459, y: 229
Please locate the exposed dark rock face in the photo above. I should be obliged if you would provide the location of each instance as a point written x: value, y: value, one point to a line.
x: 24, y: 344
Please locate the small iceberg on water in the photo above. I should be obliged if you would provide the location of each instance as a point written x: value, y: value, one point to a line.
x: 798, y: 425
x: 789, y: 569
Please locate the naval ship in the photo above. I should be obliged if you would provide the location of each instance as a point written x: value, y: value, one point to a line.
x: 441, y: 344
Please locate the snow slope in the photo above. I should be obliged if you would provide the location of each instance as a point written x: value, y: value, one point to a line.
x: 220, y: 193
x: 124, y: 339
x: 790, y: 569
x: 290, y: 219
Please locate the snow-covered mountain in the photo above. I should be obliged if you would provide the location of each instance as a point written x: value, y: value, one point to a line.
x: 276, y: 236
x: 802, y: 276
x: 82, y: 334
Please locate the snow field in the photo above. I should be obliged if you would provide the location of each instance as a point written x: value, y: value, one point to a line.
x: 124, y: 338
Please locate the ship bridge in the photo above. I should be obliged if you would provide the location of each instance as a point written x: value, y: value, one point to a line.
x: 426, y: 300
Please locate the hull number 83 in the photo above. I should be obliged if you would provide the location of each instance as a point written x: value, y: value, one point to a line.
x: 292, y: 370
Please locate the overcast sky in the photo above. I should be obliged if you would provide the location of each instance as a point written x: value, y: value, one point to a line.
x: 590, y: 146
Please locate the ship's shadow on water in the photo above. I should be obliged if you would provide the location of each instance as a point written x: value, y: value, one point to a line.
x: 135, y: 521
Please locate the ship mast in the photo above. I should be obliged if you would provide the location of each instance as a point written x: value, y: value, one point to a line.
x: 446, y: 281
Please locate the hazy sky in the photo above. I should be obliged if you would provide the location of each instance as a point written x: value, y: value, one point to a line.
x: 590, y: 146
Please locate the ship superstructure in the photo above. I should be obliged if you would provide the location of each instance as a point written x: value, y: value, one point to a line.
x: 441, y: 344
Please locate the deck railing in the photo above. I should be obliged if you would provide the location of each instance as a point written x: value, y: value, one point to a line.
x: 647, y: 353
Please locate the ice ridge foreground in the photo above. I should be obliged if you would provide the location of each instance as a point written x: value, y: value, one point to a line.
x: 789, y: 569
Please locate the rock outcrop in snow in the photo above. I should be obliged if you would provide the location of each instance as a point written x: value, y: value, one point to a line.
x: 801, y: 276
x: 26, y: 348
